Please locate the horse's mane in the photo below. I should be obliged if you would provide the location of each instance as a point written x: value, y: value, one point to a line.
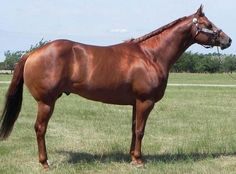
x: 155, y: 32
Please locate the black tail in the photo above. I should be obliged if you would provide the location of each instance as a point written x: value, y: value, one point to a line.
x: 13, y: 100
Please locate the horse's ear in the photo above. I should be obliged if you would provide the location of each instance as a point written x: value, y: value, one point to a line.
x: 200, y: 11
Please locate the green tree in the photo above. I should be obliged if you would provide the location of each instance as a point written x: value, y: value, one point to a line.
x: 37, y: 45
x: 208, y: 64
x: 187, y: 63
x: 12, y: 57
x: 230, y: 63
x: 205, y: 63
x: 2, y: 66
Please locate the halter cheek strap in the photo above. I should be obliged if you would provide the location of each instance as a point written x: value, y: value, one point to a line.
x: 204, y: 30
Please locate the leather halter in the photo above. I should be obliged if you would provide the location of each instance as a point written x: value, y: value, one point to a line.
x: 214, y: 33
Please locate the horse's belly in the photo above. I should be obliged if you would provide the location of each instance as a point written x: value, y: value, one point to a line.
x: 120, y: 97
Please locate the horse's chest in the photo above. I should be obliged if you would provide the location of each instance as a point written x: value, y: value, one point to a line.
x: 151, y: 88
x: 158, y: 92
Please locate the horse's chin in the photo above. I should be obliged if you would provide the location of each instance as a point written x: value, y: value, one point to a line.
x: 224, y: 46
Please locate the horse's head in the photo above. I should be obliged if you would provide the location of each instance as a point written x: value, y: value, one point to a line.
x: 206, y: 33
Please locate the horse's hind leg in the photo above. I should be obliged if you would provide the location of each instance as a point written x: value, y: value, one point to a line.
x: 43, y: 116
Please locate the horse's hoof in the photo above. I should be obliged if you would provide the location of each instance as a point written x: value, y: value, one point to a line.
x: 137, y: 163
x: 45, y: 165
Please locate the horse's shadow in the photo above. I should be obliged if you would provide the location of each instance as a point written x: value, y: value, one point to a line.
x: 82, y: 157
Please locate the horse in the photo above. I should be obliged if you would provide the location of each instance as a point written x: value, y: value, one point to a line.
x: 134, y: 72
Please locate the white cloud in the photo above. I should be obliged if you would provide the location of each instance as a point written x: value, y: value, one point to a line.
x: 119, y: 30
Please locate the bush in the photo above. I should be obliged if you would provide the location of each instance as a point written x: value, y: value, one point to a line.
x: 12, y: 57
x: 205, y: 63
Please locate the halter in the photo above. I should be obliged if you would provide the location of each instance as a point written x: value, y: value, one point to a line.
x: 214, y: 33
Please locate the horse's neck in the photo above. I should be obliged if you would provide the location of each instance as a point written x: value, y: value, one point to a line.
x: 166, y: 47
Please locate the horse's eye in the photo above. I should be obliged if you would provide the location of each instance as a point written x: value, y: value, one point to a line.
x: 210, y: 26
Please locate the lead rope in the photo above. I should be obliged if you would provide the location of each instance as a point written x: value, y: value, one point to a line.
x: 221, y: 62
x: 219, y: 55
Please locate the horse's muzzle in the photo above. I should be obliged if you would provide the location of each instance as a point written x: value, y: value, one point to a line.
x: 226, y: 44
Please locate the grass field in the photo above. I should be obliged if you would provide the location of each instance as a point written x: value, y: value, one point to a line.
x: 192, y: 130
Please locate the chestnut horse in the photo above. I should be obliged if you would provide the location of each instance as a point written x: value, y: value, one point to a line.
x: 131, y: 73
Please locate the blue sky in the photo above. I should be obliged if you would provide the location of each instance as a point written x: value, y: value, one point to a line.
x: 101, y: 22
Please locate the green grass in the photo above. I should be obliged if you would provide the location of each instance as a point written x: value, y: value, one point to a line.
x: 223, y: 78
x: 192, y: 130
x: 5, y: 77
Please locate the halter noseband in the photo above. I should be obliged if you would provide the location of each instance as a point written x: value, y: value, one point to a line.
x: 214, y: 33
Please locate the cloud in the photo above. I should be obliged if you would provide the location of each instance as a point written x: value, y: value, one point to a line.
x: 119, y: 30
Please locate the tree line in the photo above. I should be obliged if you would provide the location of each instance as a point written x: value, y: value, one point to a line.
x: 11, y: 57
x: 205, y: 63
x: 188, y: 62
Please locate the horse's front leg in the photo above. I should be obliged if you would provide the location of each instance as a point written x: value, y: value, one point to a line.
x: 143, y: 108
x: 132, y: 146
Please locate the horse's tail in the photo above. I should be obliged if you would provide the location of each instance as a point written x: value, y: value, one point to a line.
x: 13, y: 100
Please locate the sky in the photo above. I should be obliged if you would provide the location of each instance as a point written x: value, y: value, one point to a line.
x: 102, y: 22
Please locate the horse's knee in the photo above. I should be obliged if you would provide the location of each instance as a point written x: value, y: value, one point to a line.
x: 39, y: 129
x: 139, y: 134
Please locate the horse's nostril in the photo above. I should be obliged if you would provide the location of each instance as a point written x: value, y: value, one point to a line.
x: 230, y: 40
